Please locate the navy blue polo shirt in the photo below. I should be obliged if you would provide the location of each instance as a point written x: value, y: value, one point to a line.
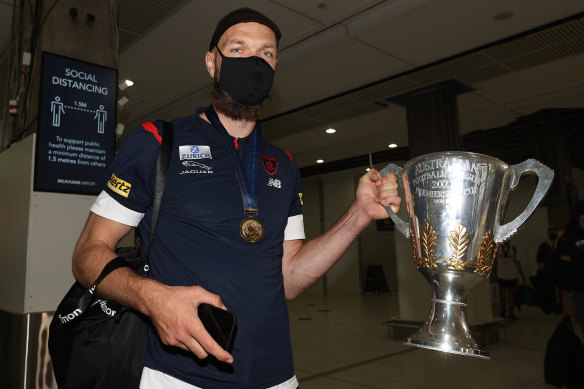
x: 198, y: 242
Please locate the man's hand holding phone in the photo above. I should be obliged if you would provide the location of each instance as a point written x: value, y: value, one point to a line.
x: 176, y: 313
x: 219, y: 323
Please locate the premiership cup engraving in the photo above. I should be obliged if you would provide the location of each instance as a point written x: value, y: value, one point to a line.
x: 456, y: 202
x: 439, y: 179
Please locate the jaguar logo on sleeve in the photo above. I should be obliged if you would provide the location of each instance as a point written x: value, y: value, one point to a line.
x: 119, y: 186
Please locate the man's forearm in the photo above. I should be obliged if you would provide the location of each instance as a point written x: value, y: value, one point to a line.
x: 303, y: 264
x: 123, y: 285
x: 95, y: 248
x: 310, y: 261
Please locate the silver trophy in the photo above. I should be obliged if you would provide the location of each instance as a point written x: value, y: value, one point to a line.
x: 456, y: 202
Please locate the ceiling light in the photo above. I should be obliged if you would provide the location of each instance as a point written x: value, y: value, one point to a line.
x: 367, y: 169
x: 320, y: 161
x: 331, y: 131
x: 124, y: 84
x: 392, y: 145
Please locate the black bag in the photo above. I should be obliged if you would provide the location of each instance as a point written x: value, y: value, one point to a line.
x: 546, y: 291
x: 524, y: 295
x: 95, y: 343
x: 564, y: 357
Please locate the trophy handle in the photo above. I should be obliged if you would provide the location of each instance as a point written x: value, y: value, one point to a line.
x: 401, y: 225
x: 545, y: 177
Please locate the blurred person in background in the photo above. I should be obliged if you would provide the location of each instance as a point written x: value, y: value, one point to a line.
x: 508, y: 272
x: 570, y: 252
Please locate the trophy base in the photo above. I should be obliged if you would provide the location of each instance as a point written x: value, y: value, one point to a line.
x: 468, y: 350
x: 446, y: 328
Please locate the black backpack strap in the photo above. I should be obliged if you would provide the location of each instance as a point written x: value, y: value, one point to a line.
x: 161, y: 170
x: 87, y: 297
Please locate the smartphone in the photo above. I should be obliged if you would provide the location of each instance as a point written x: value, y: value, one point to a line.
x: 219, y: 323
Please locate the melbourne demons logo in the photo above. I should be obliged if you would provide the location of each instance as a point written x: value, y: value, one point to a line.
x: 270, y: 163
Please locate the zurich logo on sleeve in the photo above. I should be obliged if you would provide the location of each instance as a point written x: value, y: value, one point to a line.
x: 194, y: 152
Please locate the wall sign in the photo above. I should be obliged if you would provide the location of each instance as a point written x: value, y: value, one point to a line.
x: 77, y: 119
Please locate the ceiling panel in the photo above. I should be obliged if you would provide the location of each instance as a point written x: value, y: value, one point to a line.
x: 126, y: 38
x: 546, y: 55
x: 571, y: 97
x: 136, y: 17
x: 569, y: 33
x: 533, y: 81
x: 439, y: 29
x: 294, y: 26
x: 449, y: 69
x: 472, y: 101
x: 473, y: 76
x: 484, y: 119
x: 328, y: 12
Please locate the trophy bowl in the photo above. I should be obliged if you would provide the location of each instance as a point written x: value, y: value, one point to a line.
x: 456, y: 202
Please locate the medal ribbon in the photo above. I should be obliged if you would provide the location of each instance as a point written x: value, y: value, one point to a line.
x: 248, y: 187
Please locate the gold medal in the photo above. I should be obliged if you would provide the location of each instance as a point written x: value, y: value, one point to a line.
x: 251, y: 229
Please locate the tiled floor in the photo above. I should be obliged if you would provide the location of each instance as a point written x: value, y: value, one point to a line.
x: 341, y: 343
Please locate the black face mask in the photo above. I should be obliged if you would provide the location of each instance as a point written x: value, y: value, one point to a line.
x: 247, y: 80
x: 552, y: 236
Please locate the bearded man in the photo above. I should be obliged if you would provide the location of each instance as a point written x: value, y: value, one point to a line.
x: 224, y: 236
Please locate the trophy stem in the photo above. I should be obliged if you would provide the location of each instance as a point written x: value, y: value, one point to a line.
x: 446, y: 328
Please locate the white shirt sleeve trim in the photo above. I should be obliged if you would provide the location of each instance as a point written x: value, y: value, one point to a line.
x: 106, y: 206
x: 295, y: 228
x: 154, y: 379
